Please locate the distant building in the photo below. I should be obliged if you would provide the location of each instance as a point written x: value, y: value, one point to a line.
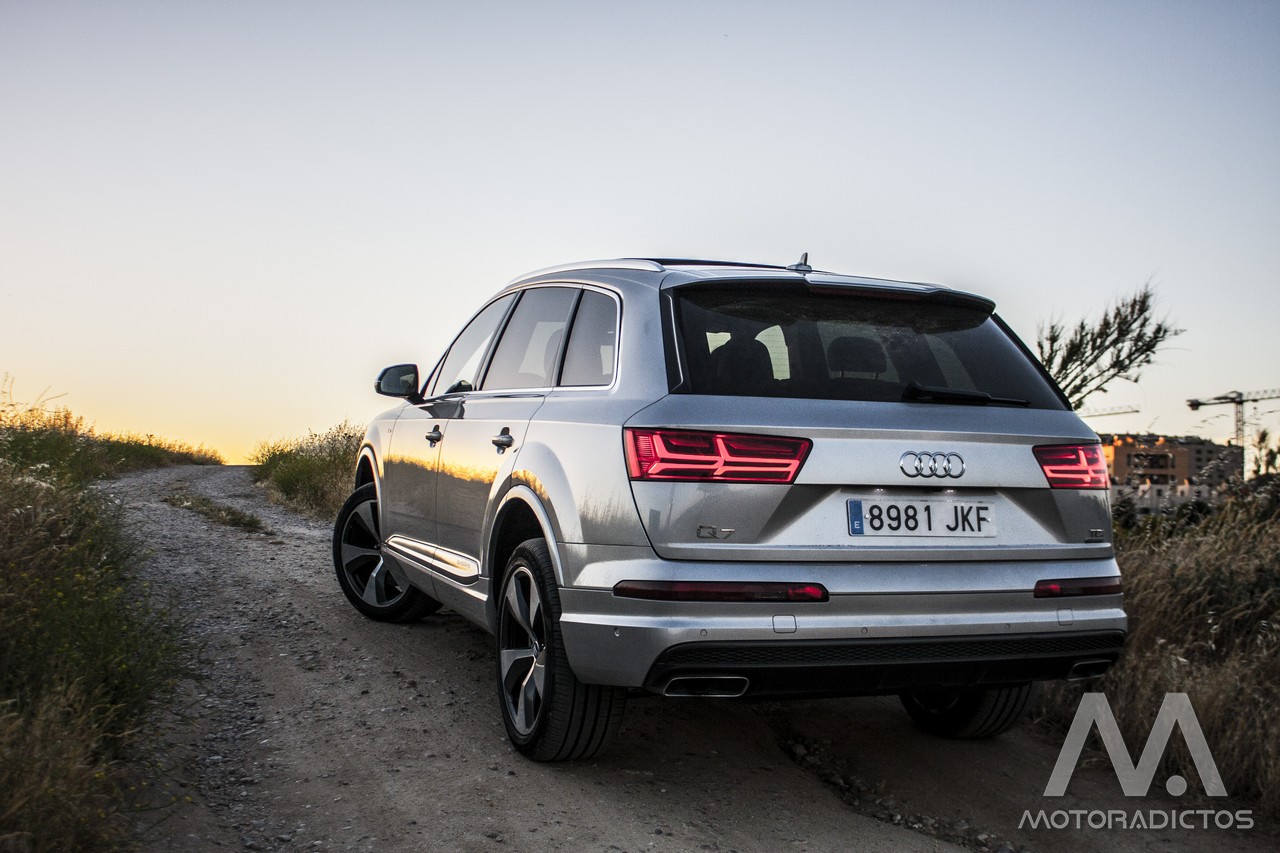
x: 1161, y: 472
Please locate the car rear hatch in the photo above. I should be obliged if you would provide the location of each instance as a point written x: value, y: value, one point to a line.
x: 844, y: 420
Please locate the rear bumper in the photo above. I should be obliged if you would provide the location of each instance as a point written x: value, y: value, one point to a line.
x: 991, y: 630
x: 860, y: 667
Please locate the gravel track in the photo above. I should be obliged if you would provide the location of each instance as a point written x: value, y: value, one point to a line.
x: 317, y: 729
x: 314, y: 728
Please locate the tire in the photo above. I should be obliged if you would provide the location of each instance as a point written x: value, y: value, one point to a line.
x: 549, y: 715
x: 969, y: 713
x: 363, y: 574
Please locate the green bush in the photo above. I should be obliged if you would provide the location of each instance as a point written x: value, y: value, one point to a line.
x: 312, y: 474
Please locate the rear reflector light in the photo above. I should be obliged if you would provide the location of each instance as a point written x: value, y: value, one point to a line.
x: 667, y: 454
x: 1077, y: 586
x: 1073, y: 466
x: 720, y: 591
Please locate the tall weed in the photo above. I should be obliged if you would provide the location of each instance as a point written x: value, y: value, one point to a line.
x: 1204, y: 619
x: 35, y: 436
x: 57, y: 788
x: 85, y: 653
x: 313, y: 474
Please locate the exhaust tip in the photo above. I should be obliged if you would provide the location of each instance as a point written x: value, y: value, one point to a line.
x: 707, y: 686
x: 1088, y: 669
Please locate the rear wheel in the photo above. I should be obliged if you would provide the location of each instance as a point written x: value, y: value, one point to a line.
x: 970, y: 712
x: 363, y: 574
x: 548, y: 713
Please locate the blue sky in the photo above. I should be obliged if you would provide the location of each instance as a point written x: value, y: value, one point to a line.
x: 219, y: 220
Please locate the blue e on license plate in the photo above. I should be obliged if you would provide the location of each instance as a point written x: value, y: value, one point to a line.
x: 922, y: 517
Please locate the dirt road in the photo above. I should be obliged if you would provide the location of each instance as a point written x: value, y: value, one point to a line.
x: 316, y: 729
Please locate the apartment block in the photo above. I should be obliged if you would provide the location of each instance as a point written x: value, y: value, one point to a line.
x: 1161, y: 472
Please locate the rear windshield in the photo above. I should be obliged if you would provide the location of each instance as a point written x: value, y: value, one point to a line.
x: 785, y: 340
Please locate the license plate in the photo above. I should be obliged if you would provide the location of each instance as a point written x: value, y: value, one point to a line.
x: 921, y: 518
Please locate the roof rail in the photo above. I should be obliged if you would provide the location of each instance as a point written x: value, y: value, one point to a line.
x: 697, y: 262
x: 646, y: 264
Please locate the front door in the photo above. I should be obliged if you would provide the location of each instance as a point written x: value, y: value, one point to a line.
x: 411, y: 467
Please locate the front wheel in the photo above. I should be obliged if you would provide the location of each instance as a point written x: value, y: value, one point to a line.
x: 548, y: 713
x: 363, y: 573
x: 970, y: 712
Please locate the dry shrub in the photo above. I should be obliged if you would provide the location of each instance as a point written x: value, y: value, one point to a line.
x: 1204, y: 619
x: 313, y: 474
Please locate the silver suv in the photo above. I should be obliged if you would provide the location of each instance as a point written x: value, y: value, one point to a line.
x: 700, y: 478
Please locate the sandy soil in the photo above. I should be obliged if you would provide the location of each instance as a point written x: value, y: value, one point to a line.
x: 316, y: 729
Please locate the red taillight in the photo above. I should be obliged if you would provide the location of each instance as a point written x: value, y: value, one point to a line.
x: 720, y: 591
x: 1073, y: 466
x: 667, y: 454
x: 1077, y: 586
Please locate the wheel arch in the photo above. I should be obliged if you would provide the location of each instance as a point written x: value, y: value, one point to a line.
x: 520, y: 516
x: 366, y: 468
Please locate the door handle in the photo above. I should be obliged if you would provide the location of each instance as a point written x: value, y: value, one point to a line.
x: 435, y: 436
x: 503, y: 440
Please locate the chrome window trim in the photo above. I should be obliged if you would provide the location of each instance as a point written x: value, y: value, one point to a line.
x: 546, y: 389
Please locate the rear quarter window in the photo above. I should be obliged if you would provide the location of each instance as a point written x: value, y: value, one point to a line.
x: 592, y: 348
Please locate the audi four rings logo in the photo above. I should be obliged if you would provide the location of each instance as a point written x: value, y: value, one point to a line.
x: 931, y: 464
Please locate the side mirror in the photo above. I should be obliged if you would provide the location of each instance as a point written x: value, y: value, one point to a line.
x: 399, y: 380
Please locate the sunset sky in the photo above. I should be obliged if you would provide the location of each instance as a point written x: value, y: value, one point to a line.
x: 219, y: 220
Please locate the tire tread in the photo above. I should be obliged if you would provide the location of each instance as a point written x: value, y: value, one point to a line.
x: 976, y: 712
x: 581, y: 718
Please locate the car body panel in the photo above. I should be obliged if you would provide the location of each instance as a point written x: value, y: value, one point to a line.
x: 472, y: 466
x: 444, y: 507
x: 611, y: 640
x: 856, y: 454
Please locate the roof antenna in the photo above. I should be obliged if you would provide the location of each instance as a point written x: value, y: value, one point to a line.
x: 803, y: 266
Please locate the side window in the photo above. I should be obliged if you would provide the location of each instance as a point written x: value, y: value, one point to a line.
x: 530, y: 347
x: 592, y: 342
x: 458, y: 372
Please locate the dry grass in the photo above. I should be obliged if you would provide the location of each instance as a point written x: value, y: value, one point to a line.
x: 59, y: 793
x: 86, y: 655
x: 218, y: 513
x: 35, y: 435
x: 312, y: 474
x: 1204, y: 619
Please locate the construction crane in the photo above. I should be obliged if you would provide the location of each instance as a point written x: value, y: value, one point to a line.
x: 1107, y: 412
x: 1239, y: 399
